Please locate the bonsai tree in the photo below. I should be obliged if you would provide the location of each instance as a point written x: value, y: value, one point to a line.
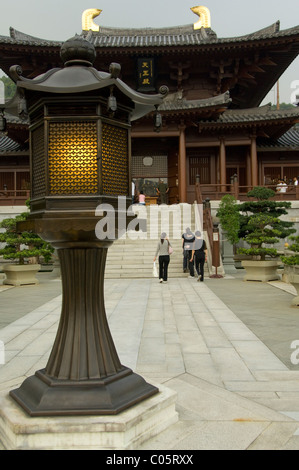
x: 292, y: 259
x: 263, y: 205
x: 257, y: 221
x: 261, y: 232
x: 260, y: 223
x: 22, y: 246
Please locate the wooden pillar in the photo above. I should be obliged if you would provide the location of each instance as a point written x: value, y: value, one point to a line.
x: 253, y: 160
x: 248, y: 170
x: 222, y: 165
x: 235, y: 182
x: 182, y: 165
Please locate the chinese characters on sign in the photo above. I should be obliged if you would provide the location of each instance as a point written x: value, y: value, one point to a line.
x: 145, y: 69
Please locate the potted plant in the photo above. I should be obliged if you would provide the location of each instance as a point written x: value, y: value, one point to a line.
x: 260, y: 227
x: 291, y: 267
x: 24, y: 249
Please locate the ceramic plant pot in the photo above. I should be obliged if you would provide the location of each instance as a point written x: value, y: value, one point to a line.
x: 262, y: 271
x: 19, y: 275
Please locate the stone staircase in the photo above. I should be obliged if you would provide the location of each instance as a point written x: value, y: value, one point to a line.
x: 133, y: 258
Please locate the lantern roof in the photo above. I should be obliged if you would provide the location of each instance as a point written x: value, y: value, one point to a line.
x: 78, y: 76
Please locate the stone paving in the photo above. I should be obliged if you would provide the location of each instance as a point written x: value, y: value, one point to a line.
x: 235, y: 392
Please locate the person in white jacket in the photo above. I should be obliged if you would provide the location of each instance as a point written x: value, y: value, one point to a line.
x: 164, y: 258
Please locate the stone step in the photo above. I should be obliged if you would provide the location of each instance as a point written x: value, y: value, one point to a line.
x: 147, y: 275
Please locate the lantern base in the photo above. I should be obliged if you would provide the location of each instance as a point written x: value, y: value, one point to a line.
x: 41, y: 395
x: 125, y: 431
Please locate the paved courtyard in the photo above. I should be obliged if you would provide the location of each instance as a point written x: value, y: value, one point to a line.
x: 223, y: 345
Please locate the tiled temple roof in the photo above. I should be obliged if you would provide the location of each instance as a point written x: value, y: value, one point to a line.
x: 8, y: 145
x: 149, y: 37
x: 157, y: 37
x: 262, y: 113
x: 177, y: 36
x: 171, y: 103
x: 17, y: 37
x: 289, y: 140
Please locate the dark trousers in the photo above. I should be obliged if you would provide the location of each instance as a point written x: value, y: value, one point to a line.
x: 187, y: 264
x: 199, y: 258
x: 163, y: 266
x: 185, y: 259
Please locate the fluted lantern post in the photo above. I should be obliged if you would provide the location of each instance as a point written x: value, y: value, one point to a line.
x: 80, y: 159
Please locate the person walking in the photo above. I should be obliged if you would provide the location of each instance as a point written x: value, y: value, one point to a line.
x: 164, y: 258
x: 199, y: 255
x: 187, y: 241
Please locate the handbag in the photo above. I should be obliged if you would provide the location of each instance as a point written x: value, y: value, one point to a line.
x: 155, y: 272
x: 170, y: 249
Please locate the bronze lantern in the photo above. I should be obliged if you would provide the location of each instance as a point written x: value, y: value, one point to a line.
x: 80, y: 158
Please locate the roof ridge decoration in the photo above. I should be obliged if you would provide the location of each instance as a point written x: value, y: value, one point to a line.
x: 204, y: 17
x: 88, y: 17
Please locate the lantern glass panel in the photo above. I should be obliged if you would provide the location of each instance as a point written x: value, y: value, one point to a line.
x: 115, y: 160
x: 72, y: 155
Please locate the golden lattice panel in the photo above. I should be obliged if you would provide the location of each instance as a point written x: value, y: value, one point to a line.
x: 114, y: 160
x: 73, y: 157
x: 38, y: 162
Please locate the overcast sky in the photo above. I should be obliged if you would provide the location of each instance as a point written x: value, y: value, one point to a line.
x: 61, y: 19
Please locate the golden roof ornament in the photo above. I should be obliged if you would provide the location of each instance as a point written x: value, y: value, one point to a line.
x: 87, y: 19
x: 204, y: 17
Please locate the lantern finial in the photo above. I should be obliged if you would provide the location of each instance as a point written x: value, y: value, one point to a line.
x: 77, y: 50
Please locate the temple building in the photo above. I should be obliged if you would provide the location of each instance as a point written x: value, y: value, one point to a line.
x: 213, y: 124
